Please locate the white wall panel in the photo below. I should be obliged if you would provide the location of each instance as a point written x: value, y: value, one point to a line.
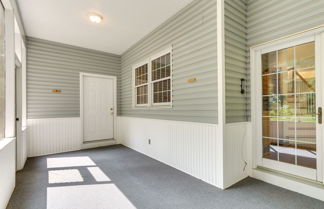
x: 53, y: 135
x: 189, y: 147
x: 235, y: 152
x: 7, y: 170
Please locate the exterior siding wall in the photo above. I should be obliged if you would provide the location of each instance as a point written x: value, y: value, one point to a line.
x: 268, y: 20
x: 52, y: 65
x: 265, y: 21
x: 192, y: 34
x: 235, y: 60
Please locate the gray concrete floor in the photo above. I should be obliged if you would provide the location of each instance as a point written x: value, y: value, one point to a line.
x: 148, y: 184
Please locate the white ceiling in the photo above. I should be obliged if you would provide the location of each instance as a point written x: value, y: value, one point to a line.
x: 125, y: 21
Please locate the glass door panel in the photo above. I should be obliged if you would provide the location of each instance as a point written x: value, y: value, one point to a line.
x: 289, y: 106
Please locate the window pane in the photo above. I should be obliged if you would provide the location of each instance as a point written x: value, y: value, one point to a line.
x: 161, y: 67
x: 305, y: 55
x: 141, y: 75
x: 270, y: 105
x: 269, y: 84
x: 306, y: 155
x: 286, y: 59
x: 286, y: 82
x: 287, y: 151
x: 286, y: 105
x: 269, y: 148
x: 2, y: 72
x: 286, y: 128
x: 305, y: 80
x: 161, y: 91
x: 269, y: 127
x: 142, y: 94
x: 269, y: 63
x: 306, y: 130
x: 306, y: 105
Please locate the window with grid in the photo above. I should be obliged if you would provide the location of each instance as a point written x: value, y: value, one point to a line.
x: 161, y: 79
x: 141, y: 84
x: 152, y: 81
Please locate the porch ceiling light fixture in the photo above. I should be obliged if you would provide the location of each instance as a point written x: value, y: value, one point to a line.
x: 95, y: 18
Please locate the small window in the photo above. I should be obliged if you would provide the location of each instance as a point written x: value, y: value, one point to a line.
x: 161, y: 79
x: 152, y: 81
x: 141, y: 84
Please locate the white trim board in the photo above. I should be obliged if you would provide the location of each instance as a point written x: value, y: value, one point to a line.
x: 220, y: 90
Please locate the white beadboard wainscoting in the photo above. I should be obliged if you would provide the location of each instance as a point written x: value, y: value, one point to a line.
x: 235, y: 152
x: 189, y: 147
x: 53, y: 135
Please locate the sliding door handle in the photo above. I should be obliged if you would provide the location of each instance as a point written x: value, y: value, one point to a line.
x: 319, y: 115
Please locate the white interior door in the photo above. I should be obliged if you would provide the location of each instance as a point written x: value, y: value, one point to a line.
x: 288, y: 101
x: 98, y: 107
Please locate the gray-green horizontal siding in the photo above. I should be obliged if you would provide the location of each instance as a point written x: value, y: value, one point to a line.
x: 268, y: 20
x: 52, y: 65
x: 235, y: 60
x: 192, y: 34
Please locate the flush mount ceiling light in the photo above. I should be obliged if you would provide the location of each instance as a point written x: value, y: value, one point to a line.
x: 95, y: 18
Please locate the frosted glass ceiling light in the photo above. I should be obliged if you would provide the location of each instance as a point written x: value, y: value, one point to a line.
x: 95, y: 18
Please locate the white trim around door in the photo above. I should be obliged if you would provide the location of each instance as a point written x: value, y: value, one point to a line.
x: 114, y: 110
x: 258, y: 160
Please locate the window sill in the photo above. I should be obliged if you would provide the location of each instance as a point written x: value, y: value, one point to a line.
x: 154, y: 107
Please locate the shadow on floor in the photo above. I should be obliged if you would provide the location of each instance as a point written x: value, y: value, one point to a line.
x: 118, y: 177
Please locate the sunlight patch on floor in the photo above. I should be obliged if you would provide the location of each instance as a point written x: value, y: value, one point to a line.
x: 98, y: 174
x: 64, y: 176
x: 61, y: 162
x: 100, y: 196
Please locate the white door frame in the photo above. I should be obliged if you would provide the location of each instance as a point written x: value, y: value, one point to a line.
x: 317, y: 35
x: 114, y: 78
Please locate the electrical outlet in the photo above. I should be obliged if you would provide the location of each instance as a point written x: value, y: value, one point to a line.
x: 149, y: 141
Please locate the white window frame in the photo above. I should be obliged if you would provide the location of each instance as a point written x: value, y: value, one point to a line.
x: 150, y: 104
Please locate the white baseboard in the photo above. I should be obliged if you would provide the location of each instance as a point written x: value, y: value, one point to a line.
x: 101, y: 143
x: 189, y: 147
